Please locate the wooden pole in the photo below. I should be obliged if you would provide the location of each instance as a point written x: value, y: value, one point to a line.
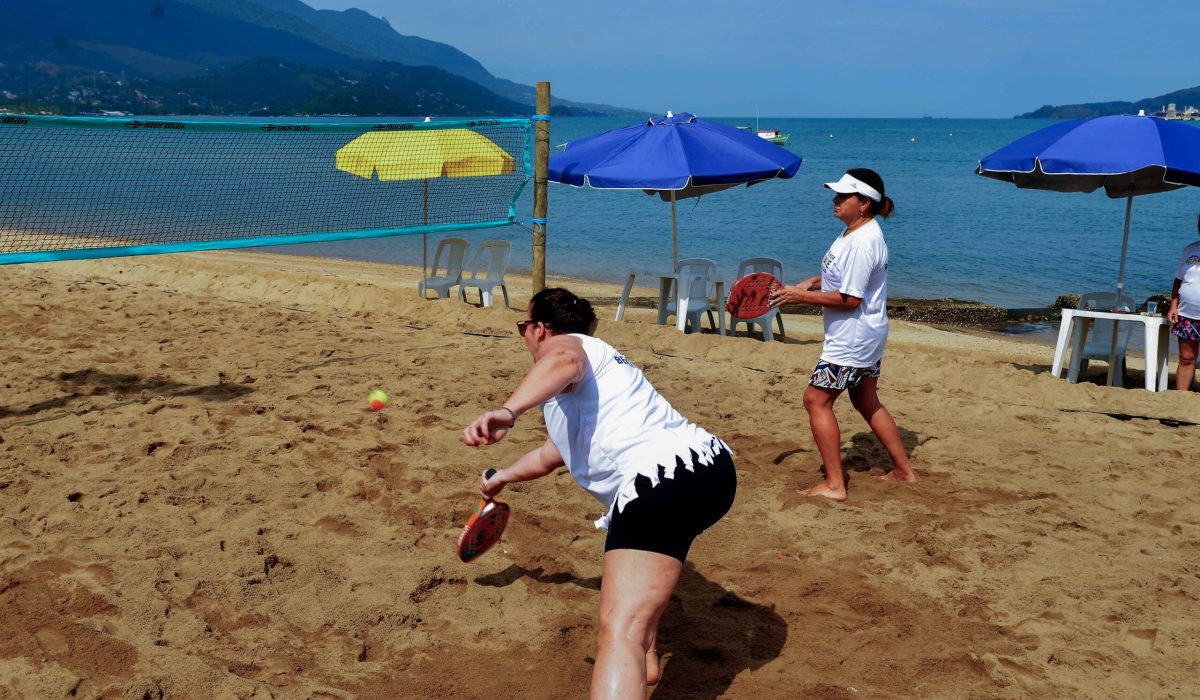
x: 541, y: 175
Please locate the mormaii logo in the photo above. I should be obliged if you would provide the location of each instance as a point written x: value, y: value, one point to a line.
x: 14, y: 120
x: 286, y: 127
x: 391, y: 127
x: 492, y: 122
x: 154, y: 125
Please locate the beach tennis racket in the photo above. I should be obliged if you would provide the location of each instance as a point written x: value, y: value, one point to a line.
x: 483, y: 528
x: 749, y: 296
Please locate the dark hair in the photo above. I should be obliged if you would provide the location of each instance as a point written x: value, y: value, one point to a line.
x: 885, y: 207
x: 562, y: 311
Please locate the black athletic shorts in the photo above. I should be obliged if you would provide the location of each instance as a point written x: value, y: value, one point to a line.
x: 666, y: 518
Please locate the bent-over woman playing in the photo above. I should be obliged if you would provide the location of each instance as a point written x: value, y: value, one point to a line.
x: 660, y: 479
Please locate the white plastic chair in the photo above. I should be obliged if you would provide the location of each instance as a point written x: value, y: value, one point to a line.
x: 745, y: 267
x: 487, y: 271
x: 455, y: 250
x: 695, y: 282
x: 1098, y: 344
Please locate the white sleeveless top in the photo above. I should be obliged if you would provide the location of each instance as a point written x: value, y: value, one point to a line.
x: 613, y: 425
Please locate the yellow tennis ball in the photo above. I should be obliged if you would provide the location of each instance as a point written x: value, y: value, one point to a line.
x: 377, y: 399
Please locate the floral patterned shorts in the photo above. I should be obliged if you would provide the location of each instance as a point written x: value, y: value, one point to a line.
x: 827, y: 375
x: 1187, y: 329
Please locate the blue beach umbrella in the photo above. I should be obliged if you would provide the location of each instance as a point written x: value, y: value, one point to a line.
x: 1126, y: 155
x: 676, y: 156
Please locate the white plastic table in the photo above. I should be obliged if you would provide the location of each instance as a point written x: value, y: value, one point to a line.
x: 664, y: 294
x: 1074, y: 328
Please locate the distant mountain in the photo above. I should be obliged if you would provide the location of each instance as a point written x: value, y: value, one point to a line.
x: 375, y: 38
x: 1181, y: 98
x: 145, y: 39
x: 267, y: 87
x: 66, y: 55
x: 350, y: 32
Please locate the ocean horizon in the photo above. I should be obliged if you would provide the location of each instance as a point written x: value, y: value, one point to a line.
x: 954, y: 235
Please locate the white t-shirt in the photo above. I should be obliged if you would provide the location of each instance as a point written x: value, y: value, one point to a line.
x: 856, y: 265
x: 1188, y: 272
x: 613, y: 425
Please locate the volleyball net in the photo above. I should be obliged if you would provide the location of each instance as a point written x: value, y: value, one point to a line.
x: 73, y: 187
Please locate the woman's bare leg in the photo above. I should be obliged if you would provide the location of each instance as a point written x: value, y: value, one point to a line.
x: 634, y: 592
x: 865, y: 398
x: 1185, y: 371
x: 828, y: 437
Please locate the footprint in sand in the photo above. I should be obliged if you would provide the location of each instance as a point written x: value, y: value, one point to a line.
x: 1018, y: 670
x: 53, y: 642
x: 1140, y: 641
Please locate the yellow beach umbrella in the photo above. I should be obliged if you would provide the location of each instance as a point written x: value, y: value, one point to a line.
x: 391, y: 156
x: 423, y: 155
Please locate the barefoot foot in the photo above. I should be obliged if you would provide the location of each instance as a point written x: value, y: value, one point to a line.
x: 653, y: 670
x: 907, y: 475
x: 823, y: 489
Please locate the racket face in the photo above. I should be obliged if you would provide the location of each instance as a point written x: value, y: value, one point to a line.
x: 748, y: 298
x: 483, y: 529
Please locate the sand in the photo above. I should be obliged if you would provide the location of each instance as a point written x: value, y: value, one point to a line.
x: 195, y: 502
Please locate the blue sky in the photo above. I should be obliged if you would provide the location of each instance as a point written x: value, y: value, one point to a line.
x: 888, y: 58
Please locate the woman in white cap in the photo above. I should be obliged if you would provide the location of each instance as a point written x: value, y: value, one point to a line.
x: 852, y: 289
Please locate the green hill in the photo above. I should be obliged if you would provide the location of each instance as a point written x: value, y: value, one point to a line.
x: 207, y: 56
x: 261, y: 86
x: 1181, y: 98
x: 268, y: 86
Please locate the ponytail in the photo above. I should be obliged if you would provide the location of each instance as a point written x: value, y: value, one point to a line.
x: 885, y: 208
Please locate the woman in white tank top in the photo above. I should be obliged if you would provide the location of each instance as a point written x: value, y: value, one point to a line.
x: 660, y: 479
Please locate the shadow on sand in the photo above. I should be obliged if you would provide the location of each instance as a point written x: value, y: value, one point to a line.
x: 711, y: 635
x: 867, y: 453
x: 1097, y: 373
x: 708, y: 635
x: 91, y: 383
x: 500, y: 579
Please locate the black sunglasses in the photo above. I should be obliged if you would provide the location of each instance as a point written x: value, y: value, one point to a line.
x: 523, y: 324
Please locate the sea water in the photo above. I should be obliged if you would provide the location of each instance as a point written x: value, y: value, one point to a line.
x: 954, y: 234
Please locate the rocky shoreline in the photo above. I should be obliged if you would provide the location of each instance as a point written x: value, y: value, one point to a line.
x: 942, y: 312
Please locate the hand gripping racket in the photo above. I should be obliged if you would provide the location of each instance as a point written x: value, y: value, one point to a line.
x: 749, y: 296
x: 483, y: 528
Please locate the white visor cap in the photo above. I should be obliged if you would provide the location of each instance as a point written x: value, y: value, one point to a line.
x: 852, y: 185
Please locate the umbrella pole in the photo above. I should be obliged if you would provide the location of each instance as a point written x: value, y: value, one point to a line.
x: 1112, y: 351
x: 1124, y: 247
x: 674, y: 234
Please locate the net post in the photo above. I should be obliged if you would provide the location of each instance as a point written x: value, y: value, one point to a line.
x: 541, y: 174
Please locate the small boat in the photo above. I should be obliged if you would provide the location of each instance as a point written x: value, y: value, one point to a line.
x: 774, y: 136
x: 771, y: 135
